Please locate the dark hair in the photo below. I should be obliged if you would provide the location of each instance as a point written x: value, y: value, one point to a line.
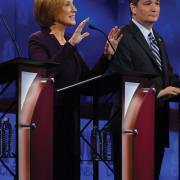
x: 133, y: 1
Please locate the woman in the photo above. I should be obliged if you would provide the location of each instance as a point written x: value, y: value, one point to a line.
x: 51, y: 43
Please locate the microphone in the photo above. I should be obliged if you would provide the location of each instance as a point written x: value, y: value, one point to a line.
x: 12, y: 37
x: 104, y: 34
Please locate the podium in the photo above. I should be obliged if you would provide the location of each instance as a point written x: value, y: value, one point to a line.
x: 133, y: 128
x: 32, y: 105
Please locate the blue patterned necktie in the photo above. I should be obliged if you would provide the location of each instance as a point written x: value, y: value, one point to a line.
x: 155, y: 49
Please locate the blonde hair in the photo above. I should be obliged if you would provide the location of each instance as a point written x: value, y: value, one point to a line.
x: 45, y: 11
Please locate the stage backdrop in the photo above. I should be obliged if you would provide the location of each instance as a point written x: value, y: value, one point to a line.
x: 18, y: 17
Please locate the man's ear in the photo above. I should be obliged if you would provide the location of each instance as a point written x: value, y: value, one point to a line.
x: 133, y: 9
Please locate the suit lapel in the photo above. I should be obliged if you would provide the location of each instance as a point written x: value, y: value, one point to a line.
x: 143, y: 43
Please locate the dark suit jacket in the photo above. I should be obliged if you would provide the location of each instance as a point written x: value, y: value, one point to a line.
x: 134, y: 54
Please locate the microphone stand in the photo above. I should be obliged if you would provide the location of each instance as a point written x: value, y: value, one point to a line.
x: 95, y: 114
x: 104, y: 34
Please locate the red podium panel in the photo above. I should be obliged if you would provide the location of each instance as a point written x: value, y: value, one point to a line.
x: 41, y: 151
x: 144, y: 141
x: 138, y: 137
x: 34, y: 116
x: 35, y: 133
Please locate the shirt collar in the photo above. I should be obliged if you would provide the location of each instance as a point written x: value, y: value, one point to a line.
x: 143, y: 30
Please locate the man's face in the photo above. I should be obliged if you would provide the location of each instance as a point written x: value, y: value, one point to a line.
x: 146, y: 12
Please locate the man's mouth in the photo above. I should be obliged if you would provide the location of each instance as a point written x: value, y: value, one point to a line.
x: 154, y: 15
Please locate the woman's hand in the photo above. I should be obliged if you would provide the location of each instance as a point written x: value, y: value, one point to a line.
x: 77, y: 37
x: 169, y: 91
x: 114, y: 37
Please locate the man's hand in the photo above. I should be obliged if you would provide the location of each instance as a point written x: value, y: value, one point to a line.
x: 169, y: 91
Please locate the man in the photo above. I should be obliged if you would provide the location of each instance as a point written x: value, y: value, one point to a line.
x: 143, y: 50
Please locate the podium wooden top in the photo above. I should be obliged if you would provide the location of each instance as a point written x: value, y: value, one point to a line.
x: 9, y: 69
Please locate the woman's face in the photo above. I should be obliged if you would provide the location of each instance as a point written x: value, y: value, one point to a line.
x: 66, y: 14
